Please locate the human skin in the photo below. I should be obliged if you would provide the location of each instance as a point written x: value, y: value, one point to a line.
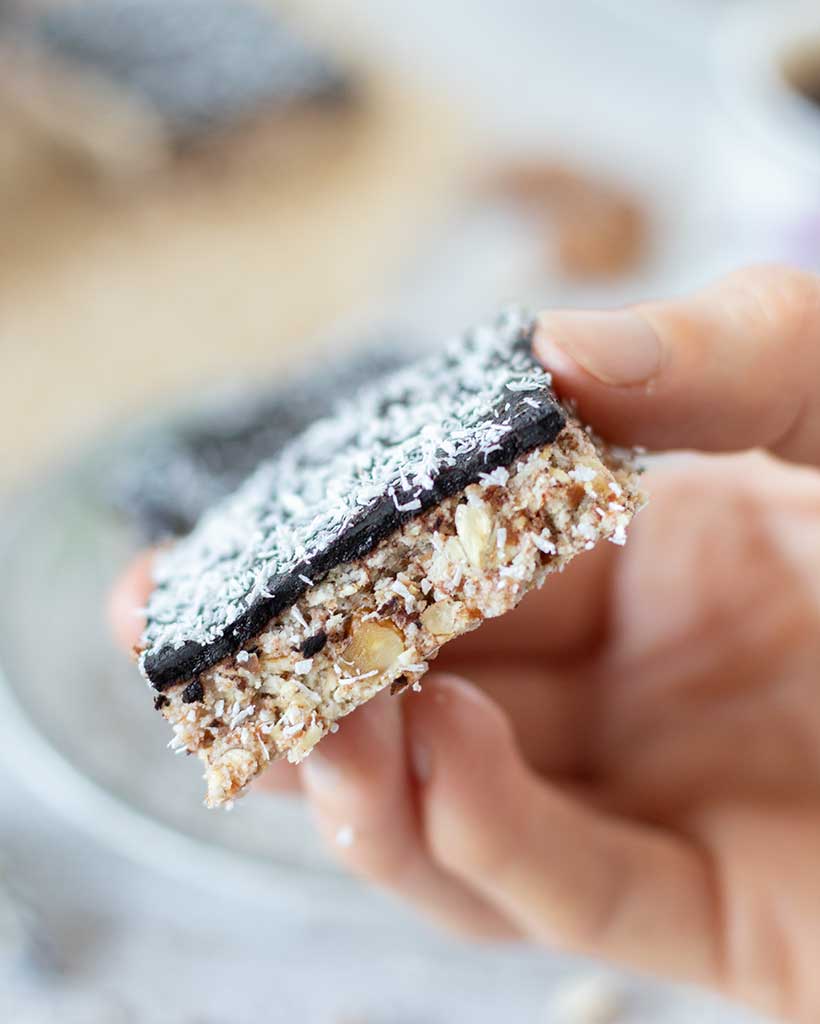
x: 628, y: 765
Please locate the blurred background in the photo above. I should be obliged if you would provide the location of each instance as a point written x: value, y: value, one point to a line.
x: 215, y: 217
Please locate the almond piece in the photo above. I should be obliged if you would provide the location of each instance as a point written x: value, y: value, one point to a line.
x: 374, y: 646
x: 440, y: 618
x: 474, y: 527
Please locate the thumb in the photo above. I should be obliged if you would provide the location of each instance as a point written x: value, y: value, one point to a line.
x: 734, y: 366
x: 562, y: 872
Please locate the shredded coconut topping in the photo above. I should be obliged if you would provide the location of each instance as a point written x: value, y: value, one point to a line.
x: 394, y: 441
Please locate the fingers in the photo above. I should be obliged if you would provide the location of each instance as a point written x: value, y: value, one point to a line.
x: 562, y: 872
x: 734, y: 366
x: 280, y: 777
x: 362, y: 795
x: 128, y: 598
x: 548, y: 710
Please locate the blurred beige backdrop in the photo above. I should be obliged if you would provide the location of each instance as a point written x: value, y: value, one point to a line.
x: 114, y: 297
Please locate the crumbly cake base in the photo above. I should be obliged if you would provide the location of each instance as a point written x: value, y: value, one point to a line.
x: 378, y: 621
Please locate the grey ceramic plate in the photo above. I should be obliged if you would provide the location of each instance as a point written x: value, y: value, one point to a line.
x: 76, y: 720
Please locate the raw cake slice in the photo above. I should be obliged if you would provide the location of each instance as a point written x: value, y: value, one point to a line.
x: 437, y: 497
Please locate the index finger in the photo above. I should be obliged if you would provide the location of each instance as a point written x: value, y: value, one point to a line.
x: 734, y: 366
x: 128, y: 598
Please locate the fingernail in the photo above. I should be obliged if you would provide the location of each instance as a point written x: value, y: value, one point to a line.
x: 319, y: 771
x: 618, y: 348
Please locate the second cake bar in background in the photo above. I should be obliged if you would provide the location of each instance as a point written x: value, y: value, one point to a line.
x: 172, y: 474
x: 129, y: 83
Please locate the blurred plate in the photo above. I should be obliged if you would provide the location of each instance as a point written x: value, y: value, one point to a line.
x: 77, y: 723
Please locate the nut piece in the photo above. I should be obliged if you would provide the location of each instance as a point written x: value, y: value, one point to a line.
x: 474, y: 526
x: 374, y: 645
x: 440, y: 618
x: 240, y: 761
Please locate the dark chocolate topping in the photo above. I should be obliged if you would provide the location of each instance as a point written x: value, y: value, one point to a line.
x: 313, y: 644
x: 193, y: 692
x: 334, y: 492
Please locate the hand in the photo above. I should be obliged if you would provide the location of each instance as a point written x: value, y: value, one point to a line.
x: 633, y: 768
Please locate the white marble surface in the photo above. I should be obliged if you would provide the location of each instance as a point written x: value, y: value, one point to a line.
x: 121, y: 945
x: 626, y: 85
